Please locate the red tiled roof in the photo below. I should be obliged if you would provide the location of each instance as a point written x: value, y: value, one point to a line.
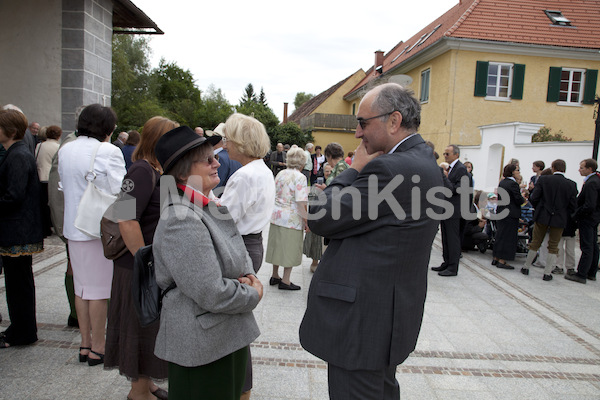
x: 513, y: 21
x: 307, y: 108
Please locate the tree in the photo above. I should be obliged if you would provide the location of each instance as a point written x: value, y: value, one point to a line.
x: 214, y: 109
x: 130, y: 82
x: 249, y: 96
x: 302, y: 98
x: 545, y: 135
x: 262, y: 98
x: 289, y: 133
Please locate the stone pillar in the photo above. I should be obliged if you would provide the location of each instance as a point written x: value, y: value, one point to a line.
x: 86, y: 56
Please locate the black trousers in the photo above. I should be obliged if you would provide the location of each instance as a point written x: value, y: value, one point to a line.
x: 20, y: 298
x: 588, y: 242
x: 451, y: 243
x: 362, y: 384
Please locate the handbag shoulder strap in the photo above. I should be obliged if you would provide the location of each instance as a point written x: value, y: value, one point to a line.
x: 91, y: 168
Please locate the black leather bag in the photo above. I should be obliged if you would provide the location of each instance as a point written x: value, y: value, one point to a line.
x: 147, y: 295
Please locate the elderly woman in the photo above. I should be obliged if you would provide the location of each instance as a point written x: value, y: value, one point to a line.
x: 92, y: 272
x: 284, y: 247
x: 507, y: 235
x: 334, y: 153
x: 20, y: 229
x: 250, y: 191
x: 206, y: 324
x: 44, y: 153
x: 129, y: 346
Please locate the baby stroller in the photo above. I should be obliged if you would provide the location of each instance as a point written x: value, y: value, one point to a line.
x: 523, y: 237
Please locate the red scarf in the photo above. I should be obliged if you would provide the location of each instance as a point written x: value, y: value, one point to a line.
x: 194, y: 196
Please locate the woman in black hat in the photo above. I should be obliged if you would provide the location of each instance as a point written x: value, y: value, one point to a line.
x: 206, y: 322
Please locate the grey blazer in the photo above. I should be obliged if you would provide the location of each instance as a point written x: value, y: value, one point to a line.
x: 209, y: 314
x: 366, y: 299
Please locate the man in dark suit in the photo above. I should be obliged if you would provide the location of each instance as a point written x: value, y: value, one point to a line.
x: 451, y: 227
x: 366, y: 299
x: 553, y: 200
x: 278, y: 159
x: 587, y: 216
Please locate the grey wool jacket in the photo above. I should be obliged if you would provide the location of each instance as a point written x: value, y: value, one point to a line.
x: 209, y: 314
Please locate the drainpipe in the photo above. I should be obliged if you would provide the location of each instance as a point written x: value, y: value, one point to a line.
x: 285, y: 110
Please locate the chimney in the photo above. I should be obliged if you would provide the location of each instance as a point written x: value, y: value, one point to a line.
x: 378, y: 62
x: 285, y: 113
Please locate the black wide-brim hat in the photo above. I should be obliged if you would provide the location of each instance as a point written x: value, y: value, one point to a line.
x: 177, y: 142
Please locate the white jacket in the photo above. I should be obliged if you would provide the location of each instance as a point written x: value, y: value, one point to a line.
x: 73, y: 163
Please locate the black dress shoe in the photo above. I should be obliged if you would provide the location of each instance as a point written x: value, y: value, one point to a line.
x: 440, y: 268
x: 291, y: 286
x: 504, y: 265
x: 547, y: 277
x: 447, y: 273
x: 494, y: 262
x: 83, y: 357
x: 161, y: 394
x: 274, y: 281
x: 591, y: 278
x: 525, y: 271
x: 575, y: 278
x: 95, y: 361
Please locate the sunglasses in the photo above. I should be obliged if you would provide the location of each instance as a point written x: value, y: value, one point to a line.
x: 210, y: 159
x: 363, y: 121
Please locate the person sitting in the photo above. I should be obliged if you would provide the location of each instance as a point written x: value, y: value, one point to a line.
x: 206, y: 323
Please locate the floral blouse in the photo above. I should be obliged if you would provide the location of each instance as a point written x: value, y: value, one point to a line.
x: 290, y: 188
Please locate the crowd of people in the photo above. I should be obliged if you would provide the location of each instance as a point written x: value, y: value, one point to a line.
x: 541, y: 218
x: 208, y: 244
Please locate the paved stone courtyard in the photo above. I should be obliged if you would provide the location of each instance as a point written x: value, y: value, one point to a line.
x: 487, y: 334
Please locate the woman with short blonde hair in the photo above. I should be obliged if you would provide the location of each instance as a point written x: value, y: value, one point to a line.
x: 248, y: 134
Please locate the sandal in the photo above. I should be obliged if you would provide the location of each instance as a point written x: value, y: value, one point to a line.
x: 3, y: 343
x: 83, y: 357
x: 95, y: 361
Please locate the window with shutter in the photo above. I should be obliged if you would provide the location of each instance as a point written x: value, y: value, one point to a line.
x: 425, y: 78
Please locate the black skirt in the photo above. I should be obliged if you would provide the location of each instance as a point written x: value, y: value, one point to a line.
x: 507, y: 236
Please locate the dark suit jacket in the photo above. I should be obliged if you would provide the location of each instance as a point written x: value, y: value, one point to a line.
x: 274, y: 166
x: 227, y: 168
x: 366, y: 299
x: 588, y: 201
x: 452, y: 182
x: 554, y: 199
x: 514, y: 195
x: 20, y: 210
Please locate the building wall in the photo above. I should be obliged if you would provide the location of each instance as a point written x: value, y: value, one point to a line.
x: 30, y: 68
x: 335, y: 104
x: 467, y: 112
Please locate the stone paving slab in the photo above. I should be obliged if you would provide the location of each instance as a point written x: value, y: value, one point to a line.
x: 486, y: 334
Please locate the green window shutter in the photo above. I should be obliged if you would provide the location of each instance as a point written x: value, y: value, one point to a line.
x: 554, y: 84
x: 518, y: 82
x: 589, y: 93
x: 481, y: 76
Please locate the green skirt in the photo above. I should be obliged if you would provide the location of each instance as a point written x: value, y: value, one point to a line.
x: 220, y: 380
x: 313, y: 246
x: 284, y: 247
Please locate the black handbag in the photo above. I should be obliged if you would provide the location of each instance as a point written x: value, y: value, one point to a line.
x: 147, y: 295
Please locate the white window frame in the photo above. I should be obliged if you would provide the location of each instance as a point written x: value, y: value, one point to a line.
x: 428, y: 73
x: 569, y: 92
x: 498, y: 66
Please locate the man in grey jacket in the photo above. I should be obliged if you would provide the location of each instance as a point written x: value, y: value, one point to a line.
x: 366, y: 299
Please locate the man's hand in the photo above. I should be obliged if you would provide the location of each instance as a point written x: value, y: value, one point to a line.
x: 253, y: 281
x: 362, y: 158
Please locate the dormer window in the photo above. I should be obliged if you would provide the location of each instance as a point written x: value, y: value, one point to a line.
x: 557, y: 18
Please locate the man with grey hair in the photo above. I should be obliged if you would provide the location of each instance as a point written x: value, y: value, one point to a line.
x: 453, y: 227
x: 278, y: 159
x: 366, y: 299
x: 121, y: 140
x: 308, y: 166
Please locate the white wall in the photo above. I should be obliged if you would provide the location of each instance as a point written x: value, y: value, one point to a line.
x: 501, y: 142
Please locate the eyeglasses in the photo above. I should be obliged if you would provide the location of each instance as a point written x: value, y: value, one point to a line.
x: 446, y: 154
x: 363, y: 121
x: 210, y: 159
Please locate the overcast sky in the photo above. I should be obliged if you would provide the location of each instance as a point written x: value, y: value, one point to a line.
x: 285, y: 48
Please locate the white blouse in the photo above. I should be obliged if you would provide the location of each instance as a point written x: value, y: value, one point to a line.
x: 73, y: 163
x: 249, y: 196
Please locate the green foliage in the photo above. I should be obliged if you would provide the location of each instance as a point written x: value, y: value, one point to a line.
x: 214, y: 109
x: 302, y: 98
x: 545, y: 135
x: 249, y: 95
x: 258, y: 108
x: 289, y: 133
